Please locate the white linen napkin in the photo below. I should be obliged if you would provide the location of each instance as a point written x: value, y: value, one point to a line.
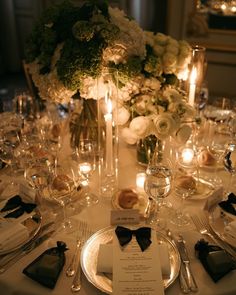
x: 105, y: 258
x: 230, y: 229
x: 12, y: 235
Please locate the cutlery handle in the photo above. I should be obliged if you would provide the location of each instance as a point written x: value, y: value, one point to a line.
x: 191, y: 281
x: 182, y: 281
x: 11, y: 261
x: 72, y: 267
x: 76, y: 284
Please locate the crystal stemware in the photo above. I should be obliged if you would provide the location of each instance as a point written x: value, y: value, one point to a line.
x: 61, y: 189
x: 158, y: 186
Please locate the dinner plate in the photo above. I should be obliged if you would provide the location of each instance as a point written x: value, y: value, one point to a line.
x: 103, y: 281
x: 218, y: 220
x: 144, y: 205
x: 31, y: 221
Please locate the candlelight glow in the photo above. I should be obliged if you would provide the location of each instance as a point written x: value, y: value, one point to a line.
x: 85, y: 168
x: 187, y: 155
x: 193, y: 76
x: 140, y: 179
x: 109, y: 106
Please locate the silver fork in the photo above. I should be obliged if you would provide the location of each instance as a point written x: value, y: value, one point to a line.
x: 72, y: 267
x: 76, y: 284
x: 203, y: 227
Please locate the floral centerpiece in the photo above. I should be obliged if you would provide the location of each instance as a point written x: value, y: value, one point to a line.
x: 70, y: 48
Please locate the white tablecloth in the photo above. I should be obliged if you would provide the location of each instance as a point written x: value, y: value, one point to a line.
x: 13, y: 282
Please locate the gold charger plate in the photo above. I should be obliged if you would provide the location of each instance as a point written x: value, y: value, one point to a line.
x: 103, y: 281
x: 31, y: 221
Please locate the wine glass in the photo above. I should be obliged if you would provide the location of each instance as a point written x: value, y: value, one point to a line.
x: 86, y: 159
x: 158, y: 186
x: 61, y: 189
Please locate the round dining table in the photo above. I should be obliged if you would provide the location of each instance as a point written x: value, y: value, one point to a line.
x: 14, y: 282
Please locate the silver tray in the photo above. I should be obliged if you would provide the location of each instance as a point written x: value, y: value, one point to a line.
x: 33, y: 224
x: 104, y: 281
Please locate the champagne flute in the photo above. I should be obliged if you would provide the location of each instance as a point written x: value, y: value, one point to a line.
x: 158, y: 186
x: 86, y: 159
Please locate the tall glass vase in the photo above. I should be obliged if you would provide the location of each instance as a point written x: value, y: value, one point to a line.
x: 107, y: 132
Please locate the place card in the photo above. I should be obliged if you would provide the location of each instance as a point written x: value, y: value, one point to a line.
x: 214, y: 198
x: 136, y: 272
x: 127, y: 216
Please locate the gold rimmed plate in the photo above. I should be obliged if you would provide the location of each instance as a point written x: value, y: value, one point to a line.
x: 103, y: 281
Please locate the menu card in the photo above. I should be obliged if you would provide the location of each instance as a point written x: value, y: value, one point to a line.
x: 136, y: 272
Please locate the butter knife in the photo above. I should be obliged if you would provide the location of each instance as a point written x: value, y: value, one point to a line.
x: 25, y: 250
x: 185, y: 259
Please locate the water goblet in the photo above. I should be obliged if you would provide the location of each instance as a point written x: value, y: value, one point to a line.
x: 158, y: 186
x: 86, y: 159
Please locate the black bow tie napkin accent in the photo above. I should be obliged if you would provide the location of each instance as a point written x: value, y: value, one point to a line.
x: 47, y: 267
x: 228, y: 204
x: 216, y: 261
x: 142, y: 234
x: 20, y: 207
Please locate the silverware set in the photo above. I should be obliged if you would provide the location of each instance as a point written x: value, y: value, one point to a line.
x: 186, y: 279
x: 74, y: 268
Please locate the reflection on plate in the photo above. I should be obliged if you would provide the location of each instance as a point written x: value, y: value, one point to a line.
x: 203, y: 189
x: 104, y: 282
x: 143, y: 204
x: 218, y: 221
x: 31, y: 222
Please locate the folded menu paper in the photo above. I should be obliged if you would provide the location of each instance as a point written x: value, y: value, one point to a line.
x: 230, y: 229
x: 105, y: 258
x: 12, y: 235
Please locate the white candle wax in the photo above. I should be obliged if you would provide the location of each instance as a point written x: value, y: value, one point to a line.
x: 187, y: 155
x: 192, y: 87
x: 109, y: 144
x: 140, y: 179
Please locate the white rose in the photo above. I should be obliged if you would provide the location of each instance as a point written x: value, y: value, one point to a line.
x: 123, y: 116
x: 173, y: 42
x: 161, y: 38
x: 142, y: 101
x: 169, y: 60
x: 152, y: 83
x: 129, y: 136
x: 183, y: 133
x: 172, y: 49
x: 172, y: 95
x: 140, y: 126
x: 158, y: 50
x: 164, y: 125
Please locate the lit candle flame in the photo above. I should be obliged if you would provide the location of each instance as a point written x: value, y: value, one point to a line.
x: 187, y: 155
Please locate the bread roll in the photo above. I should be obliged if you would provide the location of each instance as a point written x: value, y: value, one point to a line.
x: 186, y: 182
x: 207, y: 158
x: 127, y: 199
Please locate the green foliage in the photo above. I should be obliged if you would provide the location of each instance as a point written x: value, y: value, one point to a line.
x: 128, y: 70
x: 79, y: 59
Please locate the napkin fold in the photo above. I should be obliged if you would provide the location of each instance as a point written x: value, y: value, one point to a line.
x: 12, y: 235
x: 105, y: 258
x: 230, y: 229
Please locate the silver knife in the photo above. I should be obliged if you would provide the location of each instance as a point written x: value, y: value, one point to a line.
x: 25, y: 250
x: 184, y: 257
